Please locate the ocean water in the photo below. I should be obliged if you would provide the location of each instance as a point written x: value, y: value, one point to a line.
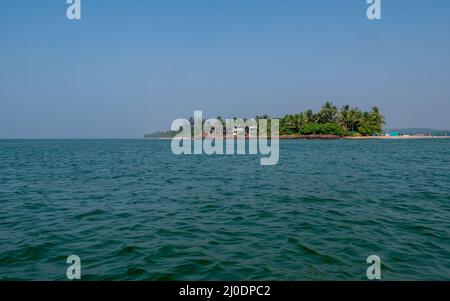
x: 131, y: 210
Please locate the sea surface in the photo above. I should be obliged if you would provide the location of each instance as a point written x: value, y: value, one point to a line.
x: 131, y: 210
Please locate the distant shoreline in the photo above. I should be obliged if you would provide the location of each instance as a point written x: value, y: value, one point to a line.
x: 405, y: 137
x: 325, y: 137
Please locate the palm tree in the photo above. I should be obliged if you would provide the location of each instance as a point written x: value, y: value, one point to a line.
x: 289, y: 124
x: 257, y: 118
x: 355, y: 118
x: 310, y: 117
x: 344, y: 117
x: 328, y: 113
x: 378, y: 119
x: 372, y: 122
x: 299, y: 120
x: 267, y: 117
x: 223, y: 124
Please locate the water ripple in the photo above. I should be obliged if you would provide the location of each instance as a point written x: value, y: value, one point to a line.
x: 133, y: 211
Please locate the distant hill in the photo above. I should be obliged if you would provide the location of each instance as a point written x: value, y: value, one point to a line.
x: 419, y: 131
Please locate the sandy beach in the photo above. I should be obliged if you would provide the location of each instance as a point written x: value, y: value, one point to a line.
x: 324, y: 137
x: 406, y: 137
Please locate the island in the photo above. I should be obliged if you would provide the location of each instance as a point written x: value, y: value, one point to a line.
x: 330, y: 122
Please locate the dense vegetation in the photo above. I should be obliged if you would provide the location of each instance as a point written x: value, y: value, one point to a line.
x: 330, y: 120
x: 333, y: 121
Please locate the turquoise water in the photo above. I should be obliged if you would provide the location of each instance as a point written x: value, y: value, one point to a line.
x: 131, y: 210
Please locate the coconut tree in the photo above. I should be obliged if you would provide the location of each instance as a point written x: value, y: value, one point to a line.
x: 378, y: 120
x: 328, y: 113
x: 309, y: 116
x: 355, y: 118
x: 344, y: 117
x: 224, y: 130
x: 372, y: 122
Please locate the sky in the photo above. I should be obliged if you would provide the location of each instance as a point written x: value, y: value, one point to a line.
x: 131, y: 67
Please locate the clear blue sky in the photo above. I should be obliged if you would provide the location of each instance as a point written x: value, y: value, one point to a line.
x: 130, y: 67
